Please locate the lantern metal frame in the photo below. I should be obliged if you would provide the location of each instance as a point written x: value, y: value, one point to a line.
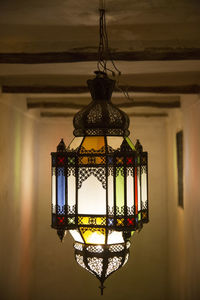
x: 123, y: 160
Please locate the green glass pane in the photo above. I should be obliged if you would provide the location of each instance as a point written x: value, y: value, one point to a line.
x: 120, y: 190
x: 130, y: 143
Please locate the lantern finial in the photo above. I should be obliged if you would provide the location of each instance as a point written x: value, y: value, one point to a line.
x: 61, y: 146
x: 138, y: 146
x: 61, y: 234
x: 102, y: 287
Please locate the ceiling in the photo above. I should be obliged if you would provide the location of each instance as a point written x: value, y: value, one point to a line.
x: 84, y: 12
x: 49, y: 47
x: 61, y: 25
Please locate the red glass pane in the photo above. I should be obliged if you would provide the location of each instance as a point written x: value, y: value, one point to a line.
x: 60, y: 160
x: 130, y: 221
x: 129, y: 160
x: 61, y: 220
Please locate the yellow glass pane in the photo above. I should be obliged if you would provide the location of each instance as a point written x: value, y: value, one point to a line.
x: 93, y: 144
x: 93, y: 235
x: 144, y: 215
x: 119, y: 160
x: 120, y: 222
x: 92, y: 221
x: 83, y: 160
x: 100, y: 160
x: 92, y: 160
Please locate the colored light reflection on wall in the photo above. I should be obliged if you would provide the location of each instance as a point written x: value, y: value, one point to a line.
x: 26, y: 205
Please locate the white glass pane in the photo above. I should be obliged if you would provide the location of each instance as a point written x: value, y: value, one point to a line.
x: 130, y: 194
x: 114, y: 142
x: 75, y: 143
x: 96, y: 238
x: 92, y: 197
x: 71, y: 190
x: 126, y: 259
x: 110, y: 193
x: 115, y: 237
x: 76, y: 235
x: 144, y: 190
x: 53, y: 190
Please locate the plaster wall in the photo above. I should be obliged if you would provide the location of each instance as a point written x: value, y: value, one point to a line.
x: 183, y: 224
x: 164, y: 261
x: 145, y: 275
x: 17, y: 197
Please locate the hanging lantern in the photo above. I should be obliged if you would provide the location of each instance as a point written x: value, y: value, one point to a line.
x: 99, y: 183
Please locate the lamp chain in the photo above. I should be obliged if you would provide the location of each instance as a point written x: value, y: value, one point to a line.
x: 102, y: 4
x: 104, y: 53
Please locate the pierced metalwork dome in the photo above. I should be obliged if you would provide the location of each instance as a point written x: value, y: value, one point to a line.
x: 101, y: 117
x: 102, y: 260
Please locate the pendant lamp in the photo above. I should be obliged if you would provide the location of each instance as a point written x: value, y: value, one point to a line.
x: 100, y: 181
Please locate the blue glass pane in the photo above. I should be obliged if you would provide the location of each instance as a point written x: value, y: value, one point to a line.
x: 61, y: 190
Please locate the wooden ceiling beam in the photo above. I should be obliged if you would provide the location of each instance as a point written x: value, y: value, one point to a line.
x: 70, y: 115
x: 149, y: 54
x: 168, y: 89
x: 133, y: 103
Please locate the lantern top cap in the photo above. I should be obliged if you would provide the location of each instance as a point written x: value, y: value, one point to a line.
x: 101, y: 87
x: 101, y: 117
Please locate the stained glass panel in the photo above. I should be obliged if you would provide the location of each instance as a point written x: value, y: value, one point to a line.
x: 76, y: 235
x: 144, y: 189
x: 136, y: 193
x: 114, y: 143
x: 71, y: 190
x: 93, y: 235
x: 76, y: 142
x: 92, y: 197
x: 93, y: 144
x: 60, y: 189
x: 110, y: 192
x: 139, y: 188
x: 119, y: 190
x: 115, y: 237
x: 130, y: 144
x: 53, y: 190
x: 91, y: 220
x: 130, y: 192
